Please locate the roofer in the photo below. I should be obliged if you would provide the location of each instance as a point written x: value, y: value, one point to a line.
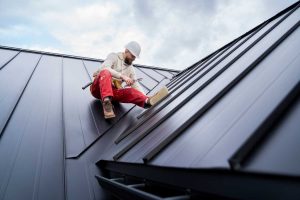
x: 116, y: 68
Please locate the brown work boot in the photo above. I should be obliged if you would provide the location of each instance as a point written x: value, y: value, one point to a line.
x: 108, y: 109
x: 158, y: 96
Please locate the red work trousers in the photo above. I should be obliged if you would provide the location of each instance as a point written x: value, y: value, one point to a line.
x: 102, y: 87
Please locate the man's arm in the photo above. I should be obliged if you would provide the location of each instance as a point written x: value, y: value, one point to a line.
x: 107, y: 64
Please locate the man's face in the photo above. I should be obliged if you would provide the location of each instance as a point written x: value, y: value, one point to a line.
x: 129, y: 58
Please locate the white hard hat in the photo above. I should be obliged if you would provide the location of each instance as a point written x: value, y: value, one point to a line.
x: 134, y: 48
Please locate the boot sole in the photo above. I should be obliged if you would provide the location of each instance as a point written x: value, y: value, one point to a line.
x: 163, y: 92
x: 109, y: 116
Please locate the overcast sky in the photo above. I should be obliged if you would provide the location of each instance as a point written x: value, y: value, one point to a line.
x: 173, y: 33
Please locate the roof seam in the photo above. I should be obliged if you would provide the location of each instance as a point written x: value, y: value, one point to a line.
x: 197, y: 69
x: 219, y: 95
x: 144, y: 134
x: 13, y: 110
x: 195, y: 72
x: 148, y: 75
x: 122, y: 136
x: 64, y: 178
x: 160, y: 73
x: 13, y: 57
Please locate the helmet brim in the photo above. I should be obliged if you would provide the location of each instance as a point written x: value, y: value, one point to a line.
x: 133, y: 53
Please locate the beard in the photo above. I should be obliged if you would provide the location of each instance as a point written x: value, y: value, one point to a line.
x: 128, y: 61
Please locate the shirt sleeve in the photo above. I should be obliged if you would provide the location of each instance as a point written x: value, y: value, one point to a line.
x: 111, y: 59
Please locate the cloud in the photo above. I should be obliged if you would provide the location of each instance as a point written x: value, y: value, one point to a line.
x: 173, y: 34
x: 85, y: 18
x: 16, y: 31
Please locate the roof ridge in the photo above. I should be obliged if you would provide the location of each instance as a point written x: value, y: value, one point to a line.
x: 78, y: 57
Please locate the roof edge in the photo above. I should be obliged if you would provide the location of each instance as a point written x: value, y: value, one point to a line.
x: 159, y: 68
x: 78, y: 57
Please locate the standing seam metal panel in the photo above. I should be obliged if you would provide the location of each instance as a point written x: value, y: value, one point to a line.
x: 35, y: 127
x: 215, y: 124
x: 211, y: 69
x: 150, y: 123
x: 11, y: 88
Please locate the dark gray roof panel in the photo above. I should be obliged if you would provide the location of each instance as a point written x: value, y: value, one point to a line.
x: 276, y: 87
x: 166, y: 122
x: 161, y: 106
x: 11, y: 88
x: 91, y: 67
x: 228, y: 55
x: 280, y: 152
x: 219, y: 123
x: 6, y: 56
x: 153, y: 74
x: 192, y: 74
x: 174, y: 73
x: 42, y: 110
x: 147, y: 82
x: 166, y: 73
x: 234, y: 111
x: 80, y: 129
x: 78, y: 172
x: 31, y: 147
x: 221, y: 110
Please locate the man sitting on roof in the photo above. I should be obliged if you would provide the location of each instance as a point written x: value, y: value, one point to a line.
x: 116, y: 68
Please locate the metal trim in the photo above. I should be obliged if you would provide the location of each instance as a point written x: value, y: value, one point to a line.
x: 262, y: 131
x: 125, y: 192
x: 78, y: 57
x: 214, y: 181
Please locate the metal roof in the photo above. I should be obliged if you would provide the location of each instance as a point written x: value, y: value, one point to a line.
x: 228, y: 129
x: 47, y: 118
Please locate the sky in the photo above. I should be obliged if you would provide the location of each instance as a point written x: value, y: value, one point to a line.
x: 173, y: 34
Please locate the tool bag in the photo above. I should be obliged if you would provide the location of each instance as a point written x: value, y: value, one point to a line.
x: 117, y: 83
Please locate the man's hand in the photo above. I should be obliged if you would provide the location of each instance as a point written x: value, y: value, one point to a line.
x: 128, y: 80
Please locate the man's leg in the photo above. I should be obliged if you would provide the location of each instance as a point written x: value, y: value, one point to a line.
x: 101, y: 86
x: 129, y: 95
x: 102, y: 89
x: 105, y: 84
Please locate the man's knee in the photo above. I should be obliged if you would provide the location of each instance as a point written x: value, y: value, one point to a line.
x: 105, y: 72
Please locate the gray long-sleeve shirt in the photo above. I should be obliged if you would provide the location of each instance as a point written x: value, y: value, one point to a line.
x: 117, y: 67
